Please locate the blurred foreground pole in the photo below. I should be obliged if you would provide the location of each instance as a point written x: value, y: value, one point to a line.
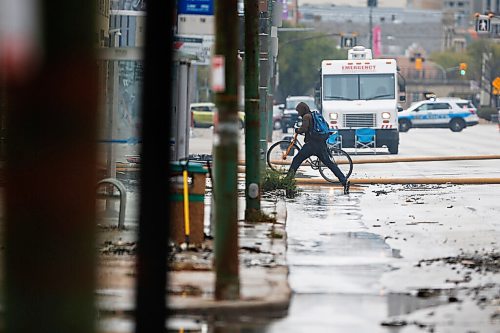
x: 252, y: 155
x: 154, y: 206
x: 225, y: 84
x: 51, y: 76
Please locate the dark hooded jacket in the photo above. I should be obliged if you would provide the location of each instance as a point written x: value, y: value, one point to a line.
x: 304, y: 112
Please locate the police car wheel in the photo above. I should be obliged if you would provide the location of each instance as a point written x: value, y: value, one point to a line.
x: 404, y: 125
x: 456, y: 125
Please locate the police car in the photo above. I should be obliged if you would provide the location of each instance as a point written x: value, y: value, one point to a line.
x: 452, y: 113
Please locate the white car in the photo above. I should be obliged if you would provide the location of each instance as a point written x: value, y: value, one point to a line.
x: 452, y: 113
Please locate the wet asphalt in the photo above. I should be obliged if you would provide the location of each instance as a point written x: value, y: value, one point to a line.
x: 337, y: 260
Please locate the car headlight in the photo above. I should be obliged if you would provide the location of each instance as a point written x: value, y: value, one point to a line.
x: 386, y: 115
x: 334, y: 116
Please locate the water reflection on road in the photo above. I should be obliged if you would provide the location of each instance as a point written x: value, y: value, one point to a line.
x: 335, y: 268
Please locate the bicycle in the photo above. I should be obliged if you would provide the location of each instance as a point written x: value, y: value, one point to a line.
x: 281, y: 153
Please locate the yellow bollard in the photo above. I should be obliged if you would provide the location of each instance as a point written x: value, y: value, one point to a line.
x: 186, y: 203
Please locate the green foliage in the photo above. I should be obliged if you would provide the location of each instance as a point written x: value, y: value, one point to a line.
x: 450, y: 59
x: 486, y: 112
x: 474, y: 59
x: 273, y: 180
x: 476, y: 51
x: 300, y: 56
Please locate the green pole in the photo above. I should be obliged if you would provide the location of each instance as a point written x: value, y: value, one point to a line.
x: 252, y: 130
x: 270, y: 81
x: 263, y: 80
x: 225, y: 85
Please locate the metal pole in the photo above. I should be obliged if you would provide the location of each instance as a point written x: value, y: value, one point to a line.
x: 270, y: 64
x: 182, y: 129
x: 371, y: 28
x: 154, y: 210
x: 227, y: 284
x: 252, y: 124
x: 263, y: 82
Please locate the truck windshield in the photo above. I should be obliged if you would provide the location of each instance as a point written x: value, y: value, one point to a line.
x: 358, y: 87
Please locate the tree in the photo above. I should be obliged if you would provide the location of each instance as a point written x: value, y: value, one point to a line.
x: 299, y: 59
x: 450, y: 60
x: 487, y: 52
x: 483, y: 50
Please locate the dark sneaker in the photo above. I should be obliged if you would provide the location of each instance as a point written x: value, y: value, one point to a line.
x: 346, y: 187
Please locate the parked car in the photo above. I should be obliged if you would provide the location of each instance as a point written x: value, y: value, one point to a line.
x: 205, y: 115
x: 290, y: 115
x: 449, y: 112
x: 277, y: 115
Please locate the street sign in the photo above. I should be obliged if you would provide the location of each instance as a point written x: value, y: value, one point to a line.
x: 347, y: 42
x: 496, y: 83
x: 196, y: 7
x: 197, y: 46
x: 483, y: 24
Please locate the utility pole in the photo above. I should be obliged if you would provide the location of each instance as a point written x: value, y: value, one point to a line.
x: 371, y: 4
x: 252, y: 124
x: 371, y: 27
x: 225, y: 85
x: 275, y: 13
x: 264, y: 76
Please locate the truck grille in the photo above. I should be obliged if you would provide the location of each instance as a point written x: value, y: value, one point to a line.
x: 360, y: 120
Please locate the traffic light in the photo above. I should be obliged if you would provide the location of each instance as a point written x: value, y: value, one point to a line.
x: 463, y: 68
x: 418, y: 64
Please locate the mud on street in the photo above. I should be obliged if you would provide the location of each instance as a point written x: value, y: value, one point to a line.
x: 447, y: 237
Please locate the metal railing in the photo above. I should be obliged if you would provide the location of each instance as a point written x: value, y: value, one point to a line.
x: 122, y: 196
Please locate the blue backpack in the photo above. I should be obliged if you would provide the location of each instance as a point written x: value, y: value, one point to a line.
x: 319, y: 129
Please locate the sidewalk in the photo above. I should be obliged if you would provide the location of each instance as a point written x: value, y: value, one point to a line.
x: 264, y: 289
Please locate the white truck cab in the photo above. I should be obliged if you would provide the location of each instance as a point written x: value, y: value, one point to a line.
x: 361, y: 92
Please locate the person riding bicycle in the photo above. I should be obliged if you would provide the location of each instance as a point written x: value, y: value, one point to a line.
x: 313, y: 147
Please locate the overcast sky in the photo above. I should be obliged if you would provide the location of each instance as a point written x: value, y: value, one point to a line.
x: 361, y: 3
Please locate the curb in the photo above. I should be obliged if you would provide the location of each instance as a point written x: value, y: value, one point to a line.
x: 264, y: 287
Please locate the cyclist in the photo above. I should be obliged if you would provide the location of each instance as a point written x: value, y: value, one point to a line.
x: 313, y: 147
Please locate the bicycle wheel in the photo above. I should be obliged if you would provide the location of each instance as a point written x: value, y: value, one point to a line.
x: 343, y: 161
x: 277, y: 159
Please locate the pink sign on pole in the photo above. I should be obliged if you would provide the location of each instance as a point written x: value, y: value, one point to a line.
x: 377, y: 41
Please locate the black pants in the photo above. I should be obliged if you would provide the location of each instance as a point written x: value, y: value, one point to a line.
x: 317, y: 148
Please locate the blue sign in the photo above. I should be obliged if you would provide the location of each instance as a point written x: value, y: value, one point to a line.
x: 196, y: 7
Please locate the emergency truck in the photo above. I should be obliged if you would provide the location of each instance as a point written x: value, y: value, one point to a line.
x: 361, y: 92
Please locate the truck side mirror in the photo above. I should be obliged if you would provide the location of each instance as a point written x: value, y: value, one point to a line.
x: 400, y: 108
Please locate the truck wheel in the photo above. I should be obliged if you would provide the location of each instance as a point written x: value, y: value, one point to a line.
x: 404, y: 125
x: 457, y: 124
x: 393, y: 148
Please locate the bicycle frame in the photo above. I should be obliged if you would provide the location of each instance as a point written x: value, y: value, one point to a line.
x: 313, y: 164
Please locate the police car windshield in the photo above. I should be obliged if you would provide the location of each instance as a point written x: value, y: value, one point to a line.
x: 359, y: 86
